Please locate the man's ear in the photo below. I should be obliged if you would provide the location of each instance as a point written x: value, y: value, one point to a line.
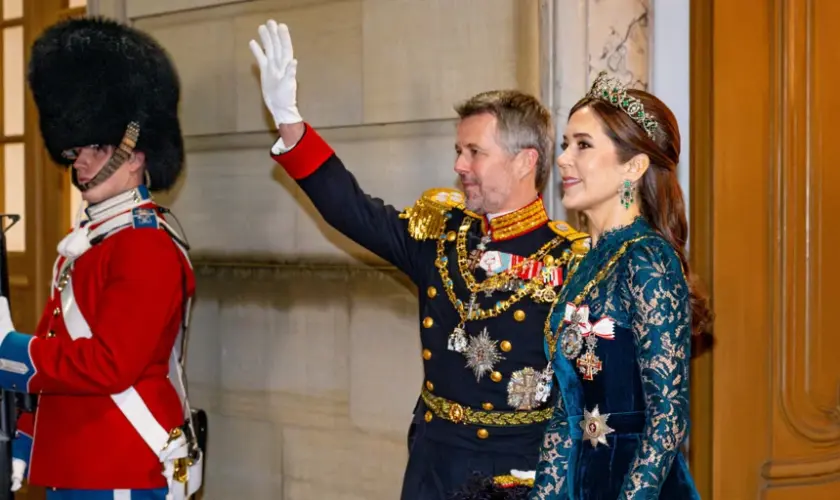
x: 525, y: 162
x: 636, y: 167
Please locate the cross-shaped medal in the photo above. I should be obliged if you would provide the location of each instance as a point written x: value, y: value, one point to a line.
x: 474, y: 258
x: 589, y: 365
x: 475, y: 255
x: 472, y: 306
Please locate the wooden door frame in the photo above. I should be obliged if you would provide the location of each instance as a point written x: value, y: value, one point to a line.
x: 701, y: 234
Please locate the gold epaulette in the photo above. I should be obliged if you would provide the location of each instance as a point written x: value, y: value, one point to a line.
x: 427, y: 218
x: 580, y: 241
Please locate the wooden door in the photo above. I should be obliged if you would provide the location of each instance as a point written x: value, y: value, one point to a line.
x: 766, y: 109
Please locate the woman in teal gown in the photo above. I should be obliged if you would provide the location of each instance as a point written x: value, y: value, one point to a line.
x: 620, y: 333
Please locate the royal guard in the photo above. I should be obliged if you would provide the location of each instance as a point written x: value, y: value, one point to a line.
x: 112, y: 419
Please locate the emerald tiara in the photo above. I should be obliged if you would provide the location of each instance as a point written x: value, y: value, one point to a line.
x: 614, y: 92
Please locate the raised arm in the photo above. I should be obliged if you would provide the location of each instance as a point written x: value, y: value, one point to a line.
x: 312, y: 163
x: 659, y: 301
x: 341, y: 202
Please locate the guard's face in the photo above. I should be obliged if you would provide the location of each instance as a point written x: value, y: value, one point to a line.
x: 483, y: 165
x: 89, y: 161
x: 589, y: 165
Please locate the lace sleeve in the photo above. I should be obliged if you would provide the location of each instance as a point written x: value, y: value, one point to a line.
x: 550, y: 479
x: 659, y: 304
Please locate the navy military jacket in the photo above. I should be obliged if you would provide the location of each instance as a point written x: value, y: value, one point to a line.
x: 482, y: 397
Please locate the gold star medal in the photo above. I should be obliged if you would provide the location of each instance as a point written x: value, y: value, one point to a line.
x: 595, y: 428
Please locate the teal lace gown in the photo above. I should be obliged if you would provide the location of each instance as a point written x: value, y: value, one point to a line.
x: 620, y: 343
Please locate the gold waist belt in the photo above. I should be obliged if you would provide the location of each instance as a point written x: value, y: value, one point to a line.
x: 454, y: 412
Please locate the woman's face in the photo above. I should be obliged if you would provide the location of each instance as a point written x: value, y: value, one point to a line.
x: 589, y: 164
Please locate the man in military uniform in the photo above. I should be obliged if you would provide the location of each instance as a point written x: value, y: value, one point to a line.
x: 488, y: 262
x: 112, y: 420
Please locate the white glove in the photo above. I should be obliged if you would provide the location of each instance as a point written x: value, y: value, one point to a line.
x: 6, y: 324
x: 18, y: 468
x: 523, y: 474
x: 278, y: 72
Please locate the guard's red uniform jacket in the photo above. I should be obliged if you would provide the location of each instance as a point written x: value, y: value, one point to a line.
x: 130, y: 288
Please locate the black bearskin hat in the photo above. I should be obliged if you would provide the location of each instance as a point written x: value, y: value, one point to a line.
x: 91, y: 77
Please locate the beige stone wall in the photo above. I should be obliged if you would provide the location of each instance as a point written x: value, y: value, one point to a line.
x: 304, y: 347
x: 309, y: 376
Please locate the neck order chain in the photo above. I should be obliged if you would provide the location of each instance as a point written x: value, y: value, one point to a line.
x: 535, y: 286
x: 497, y: 280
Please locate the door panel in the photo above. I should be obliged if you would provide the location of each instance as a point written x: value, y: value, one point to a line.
x: 774, y: 186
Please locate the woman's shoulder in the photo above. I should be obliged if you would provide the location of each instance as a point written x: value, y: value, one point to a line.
x: 651, y: 256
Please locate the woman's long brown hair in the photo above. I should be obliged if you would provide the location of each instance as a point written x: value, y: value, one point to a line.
x: 661, y: 198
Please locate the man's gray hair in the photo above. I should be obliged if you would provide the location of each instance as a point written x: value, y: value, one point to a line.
x: 522, y: 123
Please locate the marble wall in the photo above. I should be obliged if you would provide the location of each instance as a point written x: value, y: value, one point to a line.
x: 583, y: 38
x: 304, y: 346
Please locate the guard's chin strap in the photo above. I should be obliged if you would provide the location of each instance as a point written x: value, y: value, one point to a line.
x: 120, y: 155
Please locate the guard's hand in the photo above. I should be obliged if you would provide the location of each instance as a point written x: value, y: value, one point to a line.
x: 18, y: 470
x: 278, y: 72
x: 6, y: 324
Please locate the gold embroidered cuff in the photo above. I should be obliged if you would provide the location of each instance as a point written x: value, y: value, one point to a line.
x: 509, y: 481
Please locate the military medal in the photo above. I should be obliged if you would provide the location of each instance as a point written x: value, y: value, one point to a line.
x: 475, y: 256
x: 457, y: 339
x: 595, y: 428
x: 513, y: 285
x: 572, y: 342
x: 522, y: 389
x: 548, y: 277
x: 473, y: 259
x: 579, y: 328
x: 589, y: 364
x: 482, y: 354
x: 471, y: 310
x: 544, y: 383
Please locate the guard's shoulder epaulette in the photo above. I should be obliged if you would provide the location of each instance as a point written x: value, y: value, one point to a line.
x: 427, y: 218
x: 580, y: 241
x: 144, y: 217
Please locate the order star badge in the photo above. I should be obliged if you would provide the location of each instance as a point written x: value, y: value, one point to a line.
x: 595, y: 428
x: 482, y: 354
x: 522, y: 389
